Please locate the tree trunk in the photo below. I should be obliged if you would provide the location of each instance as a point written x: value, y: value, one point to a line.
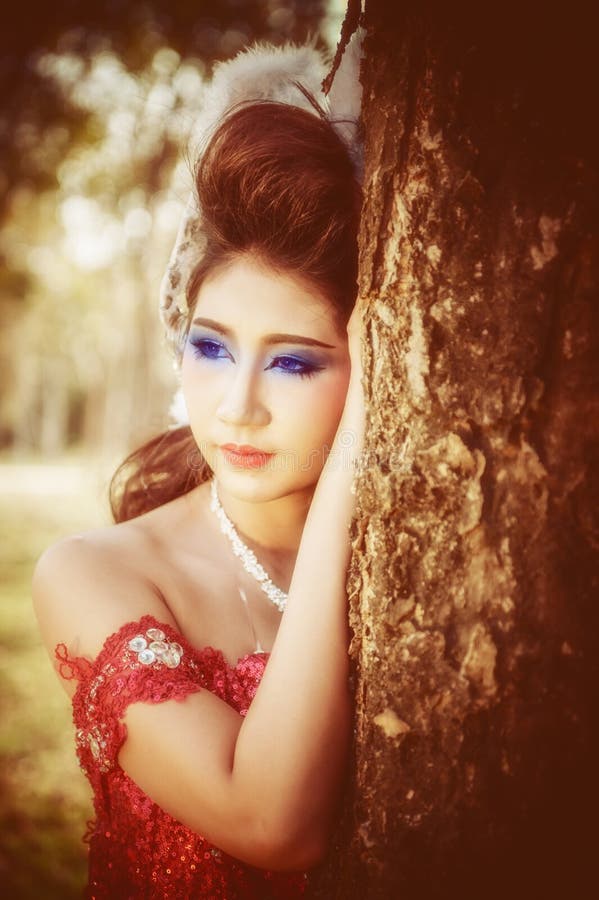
x: 473, y: 584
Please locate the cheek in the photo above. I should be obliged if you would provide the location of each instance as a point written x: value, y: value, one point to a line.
x: 187, y: 386
x: 319, y: 407
x: 198, y: 393
x: 201, y: 379
x: 189, y: 376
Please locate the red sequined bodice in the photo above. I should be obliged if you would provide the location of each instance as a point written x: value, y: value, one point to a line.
x: 136, y: 849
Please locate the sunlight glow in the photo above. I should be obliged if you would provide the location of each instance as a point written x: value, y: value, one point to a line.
x: 92, y: 237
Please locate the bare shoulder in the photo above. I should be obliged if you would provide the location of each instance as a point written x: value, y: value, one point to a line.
x: 87, y: 585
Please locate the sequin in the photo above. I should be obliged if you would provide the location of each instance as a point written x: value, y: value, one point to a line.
x: 147, y: 657
x: 169, y: 860
x: 159, y: 647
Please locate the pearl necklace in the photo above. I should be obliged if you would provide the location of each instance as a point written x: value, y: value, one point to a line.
x: 247, y: 557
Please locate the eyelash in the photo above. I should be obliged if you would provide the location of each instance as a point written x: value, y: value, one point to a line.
x: 308, y: 370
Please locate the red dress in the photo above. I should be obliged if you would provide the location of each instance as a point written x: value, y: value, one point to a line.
x: 137, y: 850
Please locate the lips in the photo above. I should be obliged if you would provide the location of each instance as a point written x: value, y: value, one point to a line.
x: 246, y: 457
x: 244, y: 449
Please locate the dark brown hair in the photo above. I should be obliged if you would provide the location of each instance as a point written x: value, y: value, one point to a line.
x: 277, y: 182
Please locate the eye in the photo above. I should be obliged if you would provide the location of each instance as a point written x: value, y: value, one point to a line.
x: 205, y: 349
x: 292, y: 366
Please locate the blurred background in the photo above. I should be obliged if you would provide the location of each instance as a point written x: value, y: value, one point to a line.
x: 97, y: 101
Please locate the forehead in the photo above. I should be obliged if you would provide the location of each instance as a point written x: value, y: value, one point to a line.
x: 248, y: 295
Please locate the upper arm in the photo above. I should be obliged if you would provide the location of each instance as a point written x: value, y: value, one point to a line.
x: 82, y: 592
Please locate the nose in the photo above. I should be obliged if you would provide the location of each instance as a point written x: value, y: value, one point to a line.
x: 240, y: 403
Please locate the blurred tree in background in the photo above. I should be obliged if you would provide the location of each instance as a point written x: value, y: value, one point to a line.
x: 97, y: 100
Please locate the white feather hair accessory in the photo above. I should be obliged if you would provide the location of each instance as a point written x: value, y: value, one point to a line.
x: 260, y: 72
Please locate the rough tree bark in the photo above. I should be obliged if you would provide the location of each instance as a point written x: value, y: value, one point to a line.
x: 474, y: 579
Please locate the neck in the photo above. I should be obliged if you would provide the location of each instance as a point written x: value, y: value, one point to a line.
x: 271, y: 528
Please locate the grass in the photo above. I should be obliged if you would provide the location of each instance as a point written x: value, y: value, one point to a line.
x: 45, y: 799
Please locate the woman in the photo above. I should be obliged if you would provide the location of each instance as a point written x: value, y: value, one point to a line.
x: 203, y: 637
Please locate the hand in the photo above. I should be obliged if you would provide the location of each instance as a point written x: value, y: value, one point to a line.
x: 354, y: 412
x: 355, y: 335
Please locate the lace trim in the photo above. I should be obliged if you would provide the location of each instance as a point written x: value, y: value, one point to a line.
x: 82, y: 668
x: 71, y: 667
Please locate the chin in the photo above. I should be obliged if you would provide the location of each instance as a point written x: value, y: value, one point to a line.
x: 262, y: 486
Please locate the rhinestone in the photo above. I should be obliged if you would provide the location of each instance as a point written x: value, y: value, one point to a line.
x: 147, y: 657
x: 155, y: 634
x: 248, y: 558
x: 138, y: 643
x: 159, y: 647
x: 171, y: 659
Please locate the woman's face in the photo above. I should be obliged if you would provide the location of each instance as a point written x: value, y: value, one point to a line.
x: 265, y: 366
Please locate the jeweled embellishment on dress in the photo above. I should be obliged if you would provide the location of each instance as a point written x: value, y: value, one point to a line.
x: 157, y: 650
x: 138, y: 643
x: 155, y: 634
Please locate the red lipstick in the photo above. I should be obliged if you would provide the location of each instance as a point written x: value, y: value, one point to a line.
x: 245, y: 456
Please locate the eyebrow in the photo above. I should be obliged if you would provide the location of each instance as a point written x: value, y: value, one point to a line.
x: 269, y: 338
